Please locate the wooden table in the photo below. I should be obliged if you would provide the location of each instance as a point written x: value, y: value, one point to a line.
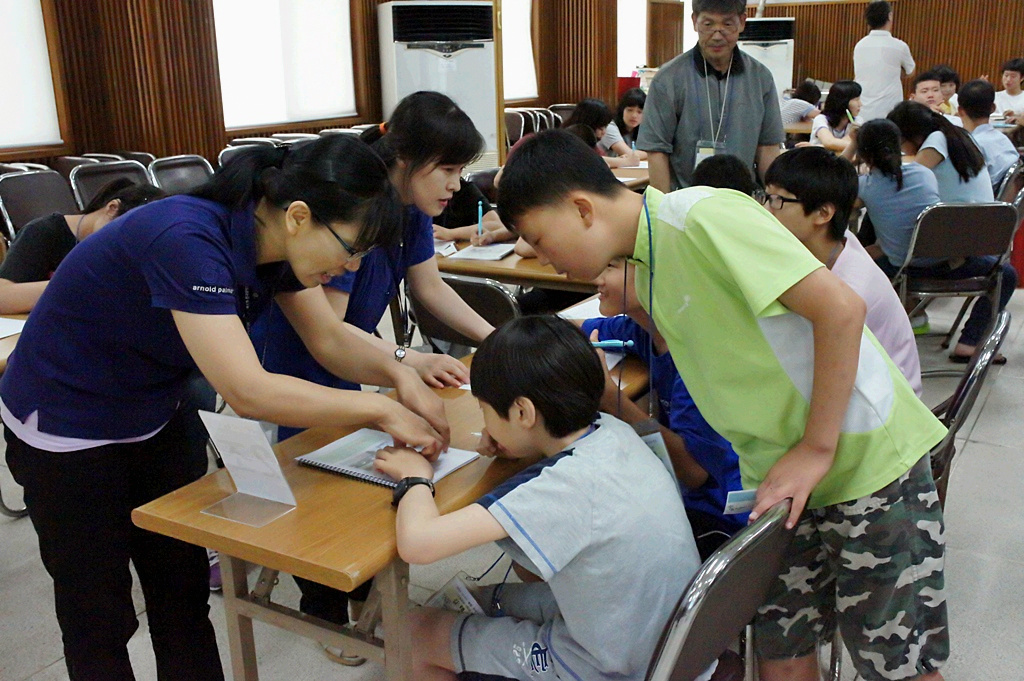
x: 798, y: 128
x: 341, y: 534
x: 636, y: 179
x: 514, y: 270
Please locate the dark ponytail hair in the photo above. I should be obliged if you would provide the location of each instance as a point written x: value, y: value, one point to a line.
x: 631, y: 97
x: 130, y: 195
x: 838, y: 101
x: 592, y: 113
x: 338, y: 177
x: 878, y: 145
x: 426, y: 127
x: 916, y: 122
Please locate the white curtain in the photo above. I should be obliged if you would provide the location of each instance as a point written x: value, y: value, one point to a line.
x: 632, y: 36
x: 284, y: 61
x: 520, y: 74
x: 28, y: 116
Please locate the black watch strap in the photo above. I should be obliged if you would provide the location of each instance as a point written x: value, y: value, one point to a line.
x: 406, y: 484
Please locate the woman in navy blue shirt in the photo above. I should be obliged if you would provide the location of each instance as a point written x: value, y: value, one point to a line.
x: 90, y: 398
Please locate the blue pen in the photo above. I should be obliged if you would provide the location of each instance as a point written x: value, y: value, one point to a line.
x: 612, y: 344
x: 479, y: 218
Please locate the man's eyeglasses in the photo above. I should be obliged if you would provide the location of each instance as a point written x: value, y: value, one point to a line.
x: 774, y: 201
x: 710, y: 28
x: 353, y: 254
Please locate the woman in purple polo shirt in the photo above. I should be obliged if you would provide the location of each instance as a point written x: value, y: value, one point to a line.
x: 90, y: 399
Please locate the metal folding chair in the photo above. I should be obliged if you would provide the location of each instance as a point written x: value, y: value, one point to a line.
x: 563, y: 111
x: 722, y: 599
x: 954, y: 231
x: 514, y: 124
x: 32, y: 194
x: 488, y: 298
x: 1013, y: 182
x: 87, y: 180
x: 180, y: 174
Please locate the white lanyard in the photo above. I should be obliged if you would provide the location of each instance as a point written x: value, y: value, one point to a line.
x: 725, y: 98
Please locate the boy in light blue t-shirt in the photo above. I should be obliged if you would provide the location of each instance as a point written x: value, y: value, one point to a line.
x: 598, y: 518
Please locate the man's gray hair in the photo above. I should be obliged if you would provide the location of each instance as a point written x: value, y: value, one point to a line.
x: 720, y: 6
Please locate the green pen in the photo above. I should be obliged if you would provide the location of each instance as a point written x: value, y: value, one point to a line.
x: 850, y: 116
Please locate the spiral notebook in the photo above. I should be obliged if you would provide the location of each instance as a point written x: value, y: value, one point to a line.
x: 353, y: 456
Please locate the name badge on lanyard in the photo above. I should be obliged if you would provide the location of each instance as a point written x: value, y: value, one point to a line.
x: 706, y: 149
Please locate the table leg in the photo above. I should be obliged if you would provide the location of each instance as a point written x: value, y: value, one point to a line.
x: 240, y: 639
x: 393, y: 583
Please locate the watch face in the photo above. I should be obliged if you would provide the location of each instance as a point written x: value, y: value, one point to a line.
x: 400, y: 354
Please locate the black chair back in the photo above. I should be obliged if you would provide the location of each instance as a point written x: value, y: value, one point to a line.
x: 32, y: 194
x: 484, y: 181
x: 563, y: 111
x: 488, y: 298
x: 65, y: 164
x: 722, y: 598
x: 1013, y: 182
x: 87, y: 180
x: 180, y: 174
x: 514, y: 125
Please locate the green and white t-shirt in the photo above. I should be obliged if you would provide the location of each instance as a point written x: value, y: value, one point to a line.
x: 720, y: 263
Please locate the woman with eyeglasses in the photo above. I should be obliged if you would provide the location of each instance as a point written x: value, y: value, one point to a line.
x: 91, y: 396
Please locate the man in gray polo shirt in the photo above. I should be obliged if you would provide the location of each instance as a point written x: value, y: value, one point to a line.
x: 713, y: 99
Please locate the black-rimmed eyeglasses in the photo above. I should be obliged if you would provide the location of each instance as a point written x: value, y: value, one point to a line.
x: 775, y: 202
x: 353, y: 254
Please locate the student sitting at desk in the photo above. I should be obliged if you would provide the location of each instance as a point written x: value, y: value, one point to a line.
x: 42, y: 244
x: 725, y: 171
x: 1010, y: 100
x: 620, y: 136
x: 814, y: 408
x: 949, y: 86
x: 977, y: 103
x: 596, y: 115
x: 895, y: 194
x: 949, y: 151
x: 91, y: 400
x: 613, y: 568
x: 458, y: 221
x: 927, y: 90
x: 704, y: 461
x: 831, y: 129
x: 803, y: 105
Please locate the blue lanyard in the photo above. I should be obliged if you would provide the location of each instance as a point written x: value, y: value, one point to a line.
x: 650, y: 303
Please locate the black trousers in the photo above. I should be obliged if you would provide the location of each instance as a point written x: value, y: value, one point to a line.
x: 80, y: 504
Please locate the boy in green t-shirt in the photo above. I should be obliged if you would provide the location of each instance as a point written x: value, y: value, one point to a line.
x: 774, y: 351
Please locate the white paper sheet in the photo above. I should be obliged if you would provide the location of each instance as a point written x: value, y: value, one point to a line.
x: 248, y: 457
x: 587, y: 309
x: 10, y: 327
x: 445, y: 248
x: 491, y: 252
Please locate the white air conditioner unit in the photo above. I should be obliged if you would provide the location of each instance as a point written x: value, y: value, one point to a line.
x: 446, y: 47
x: 770, y: 41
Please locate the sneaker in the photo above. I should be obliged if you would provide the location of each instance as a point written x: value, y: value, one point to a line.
x: 338, y: 656
x: 919, y: 323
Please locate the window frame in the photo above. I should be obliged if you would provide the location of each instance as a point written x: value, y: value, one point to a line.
x: 367, y: 110
x: 534, y: 44
x: 53, y: 49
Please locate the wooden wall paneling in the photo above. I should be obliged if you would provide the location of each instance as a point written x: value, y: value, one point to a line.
x: 585, y: 63
x: 664, y: 31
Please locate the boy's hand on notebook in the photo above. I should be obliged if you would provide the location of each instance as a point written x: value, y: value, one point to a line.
x: 794, y: 476
x: 438, y: 371
x: 414, y: 394
x: 489, y: 446
x: 402, y: 462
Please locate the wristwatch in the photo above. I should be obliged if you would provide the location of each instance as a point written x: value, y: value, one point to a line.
x: 406, y: 484
x: 400, y: 353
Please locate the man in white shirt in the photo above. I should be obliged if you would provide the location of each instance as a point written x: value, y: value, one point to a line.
x: 1010, y: 100
x: 976, y: 104
x: 877, y: 61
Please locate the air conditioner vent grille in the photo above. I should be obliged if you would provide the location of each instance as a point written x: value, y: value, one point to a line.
x: 442, y: 23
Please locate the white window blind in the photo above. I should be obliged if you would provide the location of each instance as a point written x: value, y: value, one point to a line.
x: 284, y: 61
x: 29, y: 114
x: 520, y: 74
x: 632, y: 36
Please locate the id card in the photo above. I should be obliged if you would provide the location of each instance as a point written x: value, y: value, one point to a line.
x: 740, y: 501
x: 706, y: 149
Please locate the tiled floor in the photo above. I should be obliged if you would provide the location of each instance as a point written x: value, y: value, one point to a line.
x: 984, y: 567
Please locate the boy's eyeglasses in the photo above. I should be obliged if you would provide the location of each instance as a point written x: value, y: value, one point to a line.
x: 353, y: 254
x: 776, y: 202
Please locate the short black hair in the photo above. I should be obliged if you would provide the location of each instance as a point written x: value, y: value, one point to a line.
x: 808, y: 92
x: 946, y: 74
x: 817, y: 177
x: 720, y: 6
x: 877, y: 13
x: 977, y: 98
x: 1015, y: 64
x: 923, y: 76
x: 724, y: 171
x: 545, y: 168
x: 592, y: 113
x: 837, y: 104
x: 547, y: 360
x: 584, y: 132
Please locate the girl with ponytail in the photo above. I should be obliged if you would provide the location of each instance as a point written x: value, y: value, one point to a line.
x: 91, y: 398
x: 949, y: 151
x: 895, y: 194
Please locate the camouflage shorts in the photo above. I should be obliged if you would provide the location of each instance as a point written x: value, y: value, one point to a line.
x: 876, y: 565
